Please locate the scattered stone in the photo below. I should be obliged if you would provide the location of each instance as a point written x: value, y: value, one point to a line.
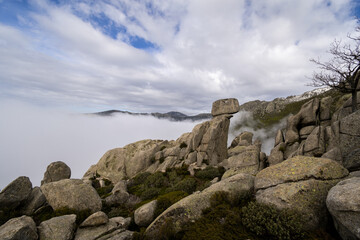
x: 16, y: 193
x: 21, y: 228
x: 59, y: 228
x: 343, y: 203
x: 56, y: 171
x: 225, y: 106
x: 145, y: 214
x: 95, y: 219
x: 72, y: 194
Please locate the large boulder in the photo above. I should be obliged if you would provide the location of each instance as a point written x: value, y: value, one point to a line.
x: 126, y: 162
x: 59, y: 228
x: 244, y: 159
x: 145, y: 214
x: 23, y: 228
x: 16, y: 193
x: 190, y: 208
x: 343, y: 203
x: 300, y: 184
x: 72, y: 194
x: 114, y: 229
x: 56, y: 171
x: 225, y: 106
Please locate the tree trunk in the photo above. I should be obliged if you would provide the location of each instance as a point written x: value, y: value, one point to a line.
x: 354, y: 100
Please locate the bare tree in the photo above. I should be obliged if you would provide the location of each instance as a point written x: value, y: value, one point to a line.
x: 342, y: 72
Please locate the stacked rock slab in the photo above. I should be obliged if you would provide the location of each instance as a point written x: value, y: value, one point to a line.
x: 300, y: 184
x: 205, y: 145
x: 314, y: 132
x: 244, y: 156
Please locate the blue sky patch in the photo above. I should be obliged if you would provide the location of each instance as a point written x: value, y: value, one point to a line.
x: 11, y: 9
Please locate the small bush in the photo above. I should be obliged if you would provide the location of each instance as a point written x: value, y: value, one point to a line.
x: 187, y: 185
x: 268, y: 222
x: 47, y: 213
x: 105, y: 191
x: 166, y: 200
x: 156, y: 180
x: 149, y: 193
x: 140, y: 178
x: 209, y: 173
x: 219, y: 222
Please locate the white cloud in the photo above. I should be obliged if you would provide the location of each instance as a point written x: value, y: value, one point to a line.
x: 207, y: 50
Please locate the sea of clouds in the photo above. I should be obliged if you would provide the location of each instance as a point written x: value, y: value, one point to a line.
x: 33, y: 137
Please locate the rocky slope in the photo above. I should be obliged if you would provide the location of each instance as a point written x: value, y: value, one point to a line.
x: 197, y: 187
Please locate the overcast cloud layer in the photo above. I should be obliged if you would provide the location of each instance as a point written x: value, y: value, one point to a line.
x: 162, y: 55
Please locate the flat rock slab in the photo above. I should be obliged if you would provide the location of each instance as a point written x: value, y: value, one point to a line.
x: 299, y: 168
x: 225, y: 106
x: 72, y: 194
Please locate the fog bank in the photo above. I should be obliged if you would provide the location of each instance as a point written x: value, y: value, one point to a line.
x: 244, y: 121
x: 33, y: 137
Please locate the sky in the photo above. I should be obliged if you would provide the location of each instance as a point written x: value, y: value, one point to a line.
x: 62, y: 58
x: 163, y: 55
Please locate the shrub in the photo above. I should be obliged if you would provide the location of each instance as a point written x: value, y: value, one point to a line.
x: 47, y: 213
x: 209, y: 173
x: 156, y: 180
x: 219, y: 222
x: 166, y: 200
x: 187, y: 185
x: 268, y: 222
x: 104, y: 191
x: 149, y: 193
x: 140, y: 178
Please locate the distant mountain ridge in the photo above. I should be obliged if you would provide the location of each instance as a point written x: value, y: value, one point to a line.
x: 172, y: 116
